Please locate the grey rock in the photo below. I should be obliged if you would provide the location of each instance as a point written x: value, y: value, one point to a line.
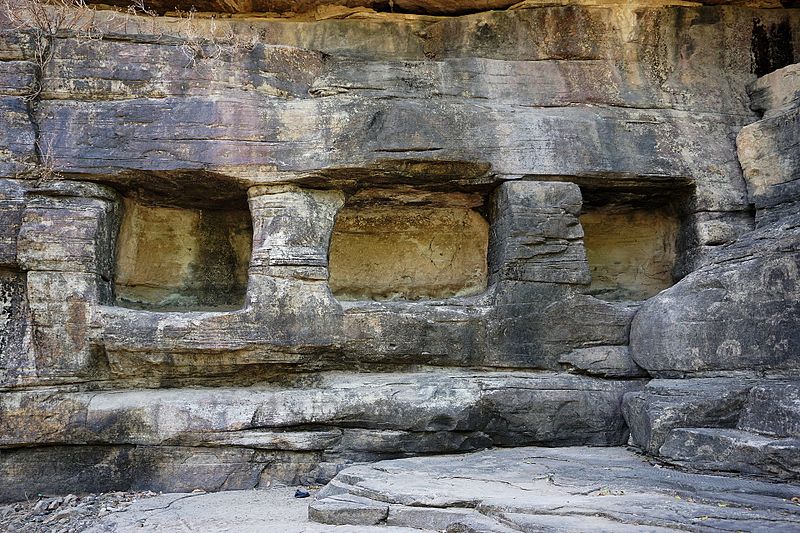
x: 17, y: 362
x: 265, y: 439
x: 361, y: 444
x: 769, y: 158
x: 704, y: 232
x: 91, y: 69
x: 738, y: 313
x: 465, y: 68
x: 567, y: 489
x: 250, y: 511
x: 432, y: 7
x: 348, y: 510
x: 443, y: 519
x: 767, y: 151
x: 776, y: 92
x: 17, y: 137
x: 62, y: 469
x: 733, y: 450
x: 536, y: 235
x: 14, y: 44
x: 331, y: 8
x: 596, y: 522
x: 505, y: 326
x: 521, y: 118
x: 664, y: 405
x: 238, y: 437
x: 69, y: 228
x: 506, y: 407
x: 609, y: 361
x: 773, y: 409
x: 719, y: 425
x: 12, y: 206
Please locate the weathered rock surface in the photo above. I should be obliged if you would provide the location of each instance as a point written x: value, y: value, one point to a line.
x: 773, y: 409
x: 764, y: 441
x: 720, y: 424
x: 608, y: 361
x: 532, y: 489
x: 408, y: 253
x: 289, y: 318
x: 182, y: 258
x: 637, y: 123
x: 242, y: 432
x: 174, y: 192
x: 742, y: 310
x: 251, y: 511
x: 323, y: 9
x: 539, y: 489
x: 739, y: 314
x: 733, y: 450
x: 667, y: 404
x: 768, y: 148
x: 508, y: 406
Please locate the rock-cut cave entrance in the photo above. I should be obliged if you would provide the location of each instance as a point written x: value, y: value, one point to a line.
x: 187, y: 251
x: 631, y: 235
x: 409, y: 245
x: 631, y: 251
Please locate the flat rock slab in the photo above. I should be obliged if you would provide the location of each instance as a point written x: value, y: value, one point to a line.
x: 241, y: 511
x: 547, y: 489
x: 501, y: 490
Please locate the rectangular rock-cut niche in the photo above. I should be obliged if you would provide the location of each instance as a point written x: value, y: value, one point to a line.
x: 631, y: 250
x: 182, y: 259
x: 402, y: 252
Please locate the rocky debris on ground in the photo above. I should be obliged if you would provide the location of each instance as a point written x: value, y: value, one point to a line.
x: 65, y: 514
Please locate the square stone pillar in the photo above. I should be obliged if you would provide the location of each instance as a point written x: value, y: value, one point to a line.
x: 66, y: 245
x: 535, y: 234
x: 288, y: 282
x: 537, y: 264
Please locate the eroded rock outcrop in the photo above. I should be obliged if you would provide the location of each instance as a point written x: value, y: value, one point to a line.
x: 260, y: 248
x: 738, y: 318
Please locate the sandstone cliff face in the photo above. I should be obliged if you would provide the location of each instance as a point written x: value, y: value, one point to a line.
x: 735, y: 318
x: 236, y: 250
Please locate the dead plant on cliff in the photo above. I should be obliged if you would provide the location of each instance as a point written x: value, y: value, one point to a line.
x: 44, y: 21
x: 208, y: 39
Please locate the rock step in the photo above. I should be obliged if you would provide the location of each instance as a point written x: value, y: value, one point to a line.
x: 733, y: 450
x: 550, y: 489
x: 228, y: 438
x: 773, y: 409
x: 667, y: 404
x: 726, y: 424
